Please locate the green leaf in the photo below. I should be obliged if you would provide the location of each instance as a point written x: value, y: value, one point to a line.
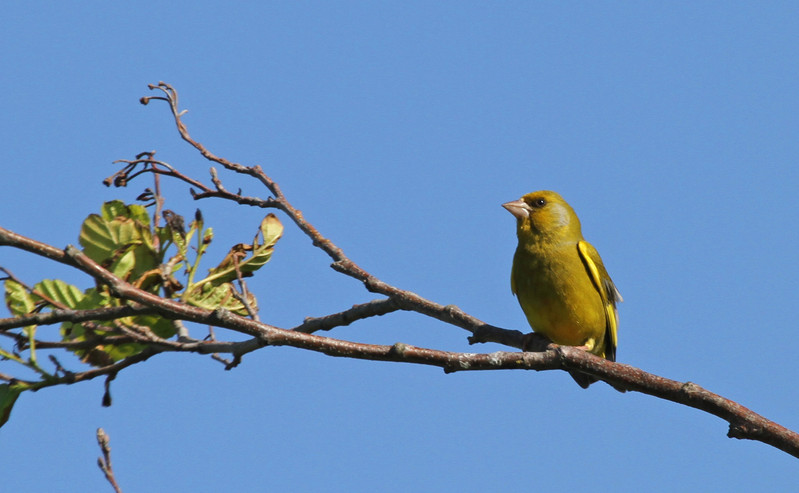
x: 208, y: 235
x: 108, y: 353
x: 116, y: 208
x: 91, y: 298
x: 216, y: 290
x: 111, y: 353
x: 101, y: 238
x: 181, y: 241
x: 271, y: 230
x: 113, y: 209
x: 262, y: 247
x: 105, y: 354
x: 160, y: 326
x: 120, y: 239
x: 164, y: 236
x: 60, y: 292
x: 124, y: 263
x: 94, y: 298
x: 8, y: 396
x: 18, y: 300
x: 101, y: 354
x: 212, y: 297
x: 139, y: 213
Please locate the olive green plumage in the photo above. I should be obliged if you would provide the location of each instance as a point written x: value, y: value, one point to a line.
x: 560, y: 280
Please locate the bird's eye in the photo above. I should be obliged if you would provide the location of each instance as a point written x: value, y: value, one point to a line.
x: 539, y: 203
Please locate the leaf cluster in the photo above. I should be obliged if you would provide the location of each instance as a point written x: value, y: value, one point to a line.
x: 163, y: 260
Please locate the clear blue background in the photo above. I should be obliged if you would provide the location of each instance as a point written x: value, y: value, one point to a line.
x: 399, y: 128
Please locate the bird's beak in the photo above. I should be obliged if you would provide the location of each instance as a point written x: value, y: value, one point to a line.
x: 518, y: 208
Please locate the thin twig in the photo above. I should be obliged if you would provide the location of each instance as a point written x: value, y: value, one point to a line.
x: 373, y: 308
x: 182, y: 331
x: 244, y: 296
x: 104, y: 462
x: 90, y: 342
x: 74, y: 316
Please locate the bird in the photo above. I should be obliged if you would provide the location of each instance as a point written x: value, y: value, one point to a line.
x: 560, y: 280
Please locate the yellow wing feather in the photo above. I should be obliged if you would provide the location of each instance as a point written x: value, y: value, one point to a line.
x: 607, y: 292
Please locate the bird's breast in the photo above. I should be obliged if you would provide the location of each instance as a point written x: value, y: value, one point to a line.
x: 557, y: 296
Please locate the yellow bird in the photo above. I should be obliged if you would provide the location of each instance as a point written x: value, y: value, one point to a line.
x: 559, y: 279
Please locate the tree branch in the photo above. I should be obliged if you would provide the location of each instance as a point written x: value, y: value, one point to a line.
x: 76, y: 316
x: 540, y: 354
x: 744, y: 423
x: 374, y: 308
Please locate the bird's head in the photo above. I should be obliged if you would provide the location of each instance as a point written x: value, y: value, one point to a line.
x: 544, y: 214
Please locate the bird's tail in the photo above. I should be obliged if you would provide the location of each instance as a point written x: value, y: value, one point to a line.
x: 583, y: 379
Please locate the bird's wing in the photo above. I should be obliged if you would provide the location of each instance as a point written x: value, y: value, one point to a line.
x: 607, y: 292
x: 512, y: 283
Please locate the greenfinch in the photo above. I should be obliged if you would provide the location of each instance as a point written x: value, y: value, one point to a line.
x: 560, y: 280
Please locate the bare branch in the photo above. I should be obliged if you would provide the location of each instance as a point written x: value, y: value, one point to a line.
x: 76, y: 316
x: 23, y: 341
x: 88, y: 374
x: 357, y: 312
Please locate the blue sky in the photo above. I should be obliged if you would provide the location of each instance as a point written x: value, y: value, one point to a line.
x: 399, y: 128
